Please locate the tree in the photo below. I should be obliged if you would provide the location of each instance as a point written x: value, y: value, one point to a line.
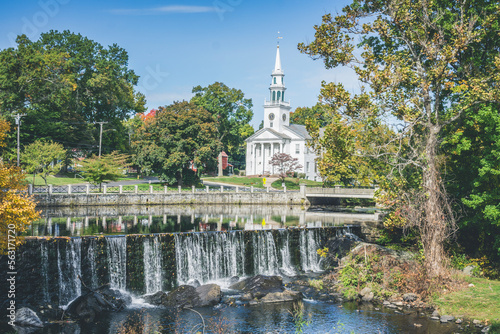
x: 416, y: 61
x: 178, y: 137
x: 44, y: 158
x: 302, y: 114
x: 64, y: 82
x: 109, y: 167
x: 285, y: 164
x: 231, y: 112
x: 17, y: 209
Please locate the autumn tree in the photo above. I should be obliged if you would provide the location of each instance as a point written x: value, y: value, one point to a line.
x: 175, y: 139
x: 43, y: 157
x: 285, y: 164
x: 414, y: 58
x: 17, y: 209
x: 231, y: 111
x: 319, y: 113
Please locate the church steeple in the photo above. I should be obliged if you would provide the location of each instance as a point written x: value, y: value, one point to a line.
x: 276, y: 110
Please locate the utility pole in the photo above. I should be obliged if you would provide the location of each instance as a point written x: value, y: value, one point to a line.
x: 18, y: 122
x: 100, y: 136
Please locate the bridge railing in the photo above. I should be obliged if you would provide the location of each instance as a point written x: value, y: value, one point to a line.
x: 339, y: 191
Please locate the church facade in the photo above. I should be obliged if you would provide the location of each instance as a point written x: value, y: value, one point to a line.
x: 278, y: 135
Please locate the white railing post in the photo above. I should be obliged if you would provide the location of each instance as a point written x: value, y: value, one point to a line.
x: 208, y: 189
x: 180, y: 190
x: 136, y: 188
x: 303, y: 190
x: 88, y: 189
x: 30, y: 189
x: 120, y: 187
x: 267, y: 189
x: 69, y: 189
x: 193, y: 188
x: 50, y: 189
x: 237, y: 189
x: 104, y: 189
x: 221, y: 189
x: 284, y: 189
x: 251, y: 189
x: 150, y: 189
x: 166, y: 189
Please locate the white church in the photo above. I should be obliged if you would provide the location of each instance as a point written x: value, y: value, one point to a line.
x: 278, y: 135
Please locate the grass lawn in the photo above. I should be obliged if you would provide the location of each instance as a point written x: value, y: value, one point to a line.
x: 294, y: 183
x: 61, y: 180
x: 238, y: 180
x: 481, y: 302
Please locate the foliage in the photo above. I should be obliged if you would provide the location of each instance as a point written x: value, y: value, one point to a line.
x: 285, y: 164
x: 64, y: 82
x: 231, y: 112
x: 297, y: 314
x: 424, y: 63
x: 316, y: 283
x: 17, y: 209
x: 178, y: 136
x: 43, y: 157
x: 108, y: 167
x: 302, y: 114
x: 322, y: 252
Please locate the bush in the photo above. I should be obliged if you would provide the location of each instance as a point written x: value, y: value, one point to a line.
x: 301, y: 175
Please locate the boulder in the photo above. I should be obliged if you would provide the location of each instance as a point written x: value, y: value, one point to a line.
x: 469, y: 270
x: 446, y: 318
x: 26, y: 317
x: 156, y: 298
x: 409, y: 297
x: 209, y: 294
x: 182, y: 297
x: 194, y: 282
x: 260, y: 285
x: 87, y: 307
x: 279, y: 297
x: 366, y: 294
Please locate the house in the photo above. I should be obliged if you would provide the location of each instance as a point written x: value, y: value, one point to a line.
x: 278, y: 135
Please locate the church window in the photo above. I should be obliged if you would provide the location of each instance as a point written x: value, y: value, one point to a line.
x: 275, y: 80
x: 297, y: 148
x: 281, y: 79
x: 271, y: 124
x: 283, y: 96
x: 307, y: 166
x: 274, y: 96
x: 279, y: 95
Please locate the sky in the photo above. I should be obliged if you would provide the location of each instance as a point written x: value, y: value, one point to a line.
x: 176, y: 45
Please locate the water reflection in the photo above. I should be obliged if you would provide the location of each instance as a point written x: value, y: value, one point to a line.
x: 168, y: 219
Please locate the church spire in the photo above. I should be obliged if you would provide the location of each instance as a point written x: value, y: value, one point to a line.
x: 277, y: 64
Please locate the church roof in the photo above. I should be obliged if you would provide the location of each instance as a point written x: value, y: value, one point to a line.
x: 299, y: 130
x: 261, y: 131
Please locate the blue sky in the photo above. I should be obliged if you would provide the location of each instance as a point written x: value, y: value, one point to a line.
x: 176, y: 45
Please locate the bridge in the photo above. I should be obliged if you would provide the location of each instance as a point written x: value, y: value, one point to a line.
x: 338, y: 192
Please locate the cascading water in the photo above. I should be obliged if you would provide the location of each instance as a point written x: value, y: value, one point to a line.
x: 209, y: 256
x: 69, y: 269
x: 308, y: 243
x: 91, y: 256
x: 264, y: 254
x: 44, y: 255
x: 152, y: 264
x: 117, y: 257
x: 286, y: 266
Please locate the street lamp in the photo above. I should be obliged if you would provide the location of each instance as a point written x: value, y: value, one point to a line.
x: 18, y: 123
x: 100, y: 136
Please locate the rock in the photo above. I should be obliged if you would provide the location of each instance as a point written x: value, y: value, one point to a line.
x: 209, y: 294
x: 368, y: 297
x: 260, y: 285
x: 182, y: 297
x: 409, y: 297
x: 278, y: 297
x: 26, y: 317
x: 88, y: 306
x: 435, y: 313
x: 246, y: 297
x: 233, y: 280
x: 459, y: 321
x: 156, y: 298
x: 446, y: 318
x: 468, y: 270
x: 434, y: 318
x: 194, y: 282
x: 386, y: 303
x: 485, y: 330
x: 398, y: 303
x: 365, y: 291
x: 391, y: 306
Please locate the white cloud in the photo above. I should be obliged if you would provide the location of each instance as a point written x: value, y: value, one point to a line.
x: 172, y: 9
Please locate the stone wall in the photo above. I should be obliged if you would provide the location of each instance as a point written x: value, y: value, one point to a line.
x: 278, y: 198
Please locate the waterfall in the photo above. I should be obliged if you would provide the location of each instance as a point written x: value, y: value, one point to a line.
x: 308, y: 243
x: 152, y: 264
x: 286, y: 267
x: 69, y: 268
x: 117, y: 257
x: 44, y: 256
x: 264, y: 254
x: 209, y: 256
x: 91, y: 256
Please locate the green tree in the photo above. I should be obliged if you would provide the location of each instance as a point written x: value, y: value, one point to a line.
x: 178, y: 136
x: 109, y: 167
x: 64, y: 82
x: 415, y: 61
x: 302, y: 114
x: 230, y: 110
x: 44, y: 158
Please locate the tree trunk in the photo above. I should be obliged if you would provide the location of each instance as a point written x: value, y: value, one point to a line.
x: 433, y: 228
